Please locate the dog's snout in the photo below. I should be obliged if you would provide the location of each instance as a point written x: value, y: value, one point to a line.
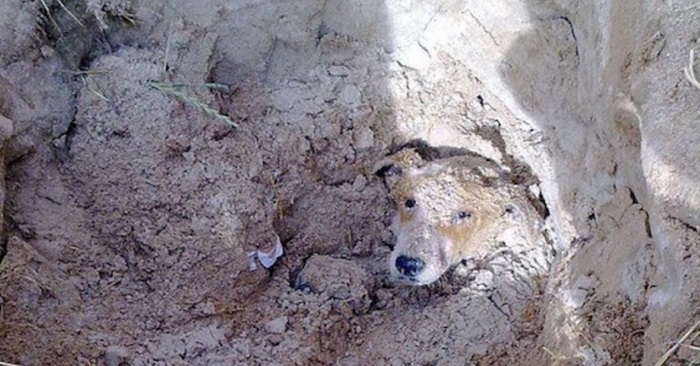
x: 409, y: 266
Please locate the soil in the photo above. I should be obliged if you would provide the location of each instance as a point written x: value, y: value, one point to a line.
x: 130, y: 212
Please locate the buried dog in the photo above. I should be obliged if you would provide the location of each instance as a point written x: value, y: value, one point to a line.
x: 452, y: 209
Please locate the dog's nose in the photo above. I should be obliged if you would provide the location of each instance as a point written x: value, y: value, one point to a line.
x: 409, y: 266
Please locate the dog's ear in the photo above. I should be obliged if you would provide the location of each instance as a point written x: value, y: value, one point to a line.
x: 398, y: 163
x: 392, y: 167
x: 388, y: 170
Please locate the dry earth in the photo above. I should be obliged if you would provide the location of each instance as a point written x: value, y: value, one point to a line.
x: 129, y: 213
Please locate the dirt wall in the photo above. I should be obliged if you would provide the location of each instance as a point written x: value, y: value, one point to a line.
x: 131, y: 206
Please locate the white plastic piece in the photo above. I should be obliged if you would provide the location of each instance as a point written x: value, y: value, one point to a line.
x: 268, y: 259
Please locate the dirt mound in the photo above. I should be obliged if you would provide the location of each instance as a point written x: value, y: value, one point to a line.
x: 132, y: 206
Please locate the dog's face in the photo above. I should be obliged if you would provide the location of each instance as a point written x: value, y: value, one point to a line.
x: 442, y: 208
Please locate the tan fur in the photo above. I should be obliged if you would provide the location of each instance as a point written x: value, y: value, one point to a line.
x: 444, y: 190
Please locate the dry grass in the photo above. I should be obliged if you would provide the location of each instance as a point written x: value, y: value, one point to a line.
x: 689, y: 336
x: 8, y: 364
x: 70, y: 13
x: 48, y: 14
x: 92, y: 7
x: 177, y: 91
x: 689, y: 71
x: 47, y: 9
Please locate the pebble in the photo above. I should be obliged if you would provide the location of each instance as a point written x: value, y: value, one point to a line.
x: 364, y: 138
x: 360, y: 183
x: 277, y: 326
x: 350, y: 96
x: 116, y: 355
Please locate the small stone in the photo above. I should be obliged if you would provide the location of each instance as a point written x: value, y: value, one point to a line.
x: 350, y: 96
x: 383, y: 298
x: 277, y: 326
x: 242, y: 347
x: 189, y: 156
x: 339, y: 70
x: 47, y: 52
x: 364, y: 138
x: 482, y: 281
x: 116, y: 355
x: 275, y: 339
x: 359, y: 183
x: 342, y: 293
x: 284, y: 99
x: 206, y: 308
x: 362, y: 248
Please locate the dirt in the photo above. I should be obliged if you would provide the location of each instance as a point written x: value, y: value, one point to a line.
x: 130, y: 213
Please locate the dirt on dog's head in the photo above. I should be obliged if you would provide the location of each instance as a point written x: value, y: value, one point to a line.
x: 447, y: 210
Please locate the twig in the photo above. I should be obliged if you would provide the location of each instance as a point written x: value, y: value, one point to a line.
x: 167, y: 47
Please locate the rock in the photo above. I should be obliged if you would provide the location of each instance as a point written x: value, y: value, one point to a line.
x: 360, y: 183
x: 277, y: 326
x: 275, y: 339
x: 350, y: 96
x: 116, y: 355
x: 338, y: 280
x: 364, y: 138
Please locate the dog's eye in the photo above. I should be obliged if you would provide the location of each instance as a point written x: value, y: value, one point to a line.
x: 409, y: 203
x: 464, y: 215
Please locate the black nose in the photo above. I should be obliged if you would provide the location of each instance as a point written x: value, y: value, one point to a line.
x: 408, y: 266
